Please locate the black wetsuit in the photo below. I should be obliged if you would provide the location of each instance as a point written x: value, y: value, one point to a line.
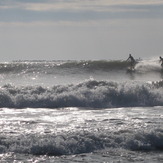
x: 131, y: 58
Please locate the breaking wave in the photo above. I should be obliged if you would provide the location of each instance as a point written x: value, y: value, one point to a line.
x: 51, y: 67
x: 83, y: 142
x: 92, y: 93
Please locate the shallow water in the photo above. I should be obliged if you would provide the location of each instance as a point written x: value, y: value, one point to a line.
x: 117, y: 134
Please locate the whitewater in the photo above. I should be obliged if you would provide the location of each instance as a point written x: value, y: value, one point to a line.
x: 81, y: 111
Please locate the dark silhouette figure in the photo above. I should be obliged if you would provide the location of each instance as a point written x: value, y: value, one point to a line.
x: 161, y: 60
x: 132, y: 61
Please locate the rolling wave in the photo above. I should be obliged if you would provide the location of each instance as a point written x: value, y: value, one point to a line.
x: 51, y: 67
x: 83, y: 142
x: 92, y: 93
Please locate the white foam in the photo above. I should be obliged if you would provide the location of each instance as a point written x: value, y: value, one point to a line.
x: 92, y: 93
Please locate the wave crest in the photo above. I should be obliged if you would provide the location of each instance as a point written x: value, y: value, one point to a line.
x: 82, y: 142
x: 88, y: 65
x: 95, y: 94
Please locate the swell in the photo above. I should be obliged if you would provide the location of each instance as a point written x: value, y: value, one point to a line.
x: 92, y: 93
x: 52, y: 66
x: 73, y: 66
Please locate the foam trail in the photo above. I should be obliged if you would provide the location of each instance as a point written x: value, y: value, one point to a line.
x: 152, y: 65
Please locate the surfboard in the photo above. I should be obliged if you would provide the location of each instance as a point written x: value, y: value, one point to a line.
x: 130, y: 69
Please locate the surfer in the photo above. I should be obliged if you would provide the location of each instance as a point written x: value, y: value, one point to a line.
x: 132, y: 61
x: 161, y: 60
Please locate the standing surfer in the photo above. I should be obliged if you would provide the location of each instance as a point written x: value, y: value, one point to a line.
x: 132, y: 61
x: 161, y: 60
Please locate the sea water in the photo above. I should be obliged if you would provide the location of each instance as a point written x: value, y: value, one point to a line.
x: 81, y: 111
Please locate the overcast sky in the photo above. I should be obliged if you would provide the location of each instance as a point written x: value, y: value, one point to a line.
x: 80, y: 29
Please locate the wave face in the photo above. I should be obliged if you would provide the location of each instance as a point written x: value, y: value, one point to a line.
x: 49, y: 67
x: 92, y: 93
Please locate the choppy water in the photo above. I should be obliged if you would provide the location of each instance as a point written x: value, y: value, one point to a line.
x: 81, y: 111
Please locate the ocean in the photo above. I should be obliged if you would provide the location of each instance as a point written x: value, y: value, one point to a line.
x: 81, y: 111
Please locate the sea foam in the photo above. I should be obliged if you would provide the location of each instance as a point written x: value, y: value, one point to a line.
x: 82, y: 142
x: 92, y: 93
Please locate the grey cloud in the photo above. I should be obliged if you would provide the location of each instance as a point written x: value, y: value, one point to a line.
x: 106, y: 12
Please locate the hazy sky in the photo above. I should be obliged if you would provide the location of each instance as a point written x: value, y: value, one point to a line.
x: 80, y: 29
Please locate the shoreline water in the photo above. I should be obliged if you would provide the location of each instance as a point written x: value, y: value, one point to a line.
x: 115, y: 134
